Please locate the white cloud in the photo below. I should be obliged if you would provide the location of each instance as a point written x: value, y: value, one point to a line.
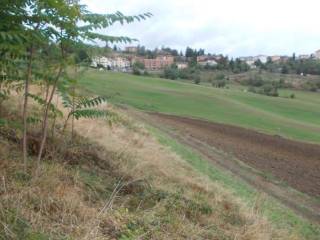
x: 221, y: 26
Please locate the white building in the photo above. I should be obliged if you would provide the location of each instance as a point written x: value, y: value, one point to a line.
x: 262, y: 58
x: 115, y: 63
x: 317, y: 54
x: 182, y: 65
x: 304, y: 56
x: 209, y: 62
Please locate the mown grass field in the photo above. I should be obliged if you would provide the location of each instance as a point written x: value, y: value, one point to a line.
x: 297, y: 118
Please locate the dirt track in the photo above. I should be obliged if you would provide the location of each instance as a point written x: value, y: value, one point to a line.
x: 295, y: 163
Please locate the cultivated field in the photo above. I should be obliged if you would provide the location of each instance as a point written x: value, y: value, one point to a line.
x: 291, y: 118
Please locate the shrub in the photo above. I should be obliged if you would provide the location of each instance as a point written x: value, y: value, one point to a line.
x: 171, y: 72
x: 220, y: 76
x: 255, y: 81
x: 197, y: 79
x: 138, y: 68
x: 219, y: 83
x: 270, y: 90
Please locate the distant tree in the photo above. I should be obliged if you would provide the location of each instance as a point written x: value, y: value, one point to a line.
x: 285, y: 69
x: 189, y: 52
x: 258, y: 63
x: 141, y: 50
x: 138, y: 68
x: 200, y: 52
x: 171, y: 72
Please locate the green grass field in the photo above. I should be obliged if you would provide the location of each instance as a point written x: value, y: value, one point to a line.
x: 297, y: 118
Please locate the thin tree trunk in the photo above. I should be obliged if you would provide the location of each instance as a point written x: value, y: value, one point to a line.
x: 73, y: 105
x: 45, y: 119
x: 25, y: 105
x: 66, y: 123
x: 25, y: 108
x: 72, y: 119
x: 1, y: 100
x: 46, y: 100
x: 54, y: 119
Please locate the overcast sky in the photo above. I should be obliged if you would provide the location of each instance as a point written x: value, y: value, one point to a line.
x: 231, y: 27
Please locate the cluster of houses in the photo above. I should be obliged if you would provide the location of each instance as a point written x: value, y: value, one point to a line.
x: 277, y: 58
x: 124, y: 62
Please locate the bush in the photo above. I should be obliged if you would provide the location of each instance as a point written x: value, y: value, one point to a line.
x: 220, y: 76
x: 219, y: 83
x: 138, y: 68
x: 197, y: 79
x: 252, y: 89
x: 270, y: 90
x: 171, y: 73
x: 267, y: 89
x: 255, y: 81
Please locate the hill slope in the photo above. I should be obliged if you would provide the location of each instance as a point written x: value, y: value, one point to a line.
x: 129, y: 187
x: 293, y: 118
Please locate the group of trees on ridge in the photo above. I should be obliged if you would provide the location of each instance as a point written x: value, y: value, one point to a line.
x: 42, y: 42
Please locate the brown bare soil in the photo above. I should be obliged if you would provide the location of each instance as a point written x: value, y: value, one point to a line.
x: 295, y: 163
x: 269, y: 163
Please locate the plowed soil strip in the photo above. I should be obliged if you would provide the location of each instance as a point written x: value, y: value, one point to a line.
x: 294, y: 163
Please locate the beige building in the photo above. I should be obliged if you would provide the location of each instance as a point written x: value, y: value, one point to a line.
x: 275, y: 58
x: 182, y: 65
x: 157, y: 63
x: 131, y: 49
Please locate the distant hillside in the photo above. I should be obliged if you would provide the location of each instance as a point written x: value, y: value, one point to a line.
x: 297, y: 118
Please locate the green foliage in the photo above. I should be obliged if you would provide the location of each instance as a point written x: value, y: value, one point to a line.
x: 197, y: 79
x: 42, y: 102
x: 171, y: 72
x: 84, y: 102
x: 220, y: 76
x: 267, y: 89
x: 88, y: 113
x: 138, y: 68
x: 80, y: 106
x: 219, y: 83
x: 40, y: 41
x: 14, y: 226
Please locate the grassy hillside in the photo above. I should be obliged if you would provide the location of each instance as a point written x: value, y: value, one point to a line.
x: 293, y: 118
